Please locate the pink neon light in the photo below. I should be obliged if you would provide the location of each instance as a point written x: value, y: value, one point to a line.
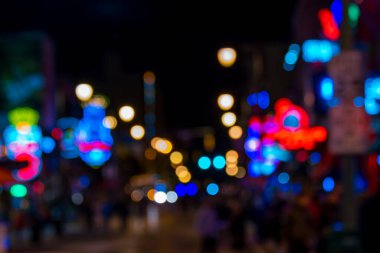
x: 31, y: 170
x: 88, y: 146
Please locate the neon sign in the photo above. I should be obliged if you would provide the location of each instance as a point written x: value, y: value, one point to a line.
x: 295, y: 132
x: 23, y: 139
x: 93, y: 140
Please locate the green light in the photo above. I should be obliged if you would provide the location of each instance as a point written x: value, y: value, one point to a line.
x: 23, y: 115
x: 18, y: 191
x: 353, y: 14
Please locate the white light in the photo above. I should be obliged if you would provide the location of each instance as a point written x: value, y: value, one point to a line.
x: 160, y: 197
x: 225, y: 101
x: 171, y: 197
x: 83, y: 91
x: 228, y: 119
x: 77, y: 198
x: 137, y: 132
x: 227, y: 56
x: 126, y: 113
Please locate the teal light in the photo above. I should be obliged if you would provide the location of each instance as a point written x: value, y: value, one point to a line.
x: 219, y: 162
x: 18, y: 191
x: 204, y: 162
x: 353, y: 14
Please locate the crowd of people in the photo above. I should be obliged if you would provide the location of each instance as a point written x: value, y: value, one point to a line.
x: 306, y: 222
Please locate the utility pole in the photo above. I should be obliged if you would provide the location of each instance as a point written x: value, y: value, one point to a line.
x: 348, y: 127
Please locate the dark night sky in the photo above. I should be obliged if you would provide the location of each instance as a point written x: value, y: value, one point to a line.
x: 177, y: 39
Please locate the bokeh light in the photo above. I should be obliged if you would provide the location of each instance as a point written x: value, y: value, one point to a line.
x: 84, y: 92
x: 225, y: 101
x: 176, y: 157
x: 126, y: 113
x: 235, y: 132
x: 226, y: 56
x: 137, y: 132
x: 137, y: 195
x: 219, y: 162
x: 110, y: 122
x: 228, y: 119
x: 212, y: 189
x: 160, y: 197
x: 171, y: 196
x: 18, y: 190
x: 204, y: 162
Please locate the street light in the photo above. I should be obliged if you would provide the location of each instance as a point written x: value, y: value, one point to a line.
x: 228, y: 119
x: 226, y: 56
x: 225, y: 101
x: 126, y: 113
x: 137, y: 132
x: 84, y: 92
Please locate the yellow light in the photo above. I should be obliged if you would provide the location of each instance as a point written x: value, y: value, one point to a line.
x: 184, y: 177
x: 226, y: 56
x: 235, y: 132
x: 209, y: 142
x: 149, y: 77
x: 225, y: 101
x: 153, y: 142
x: 137, y: 132
x: 232, y: 171
x: 150, y: 194
x: 110, y: 122
x: 84, y: 92
x: 126, y: 113
x: 232, y: 156
x: 163, y: 146
x: 228, y: 119
x: 176, y: 157
x: 100, y: 100
x: 150, y: 154
x: 180, y: 169
x: 241, y: 172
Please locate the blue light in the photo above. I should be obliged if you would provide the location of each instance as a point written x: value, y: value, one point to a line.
x: 283, y: 178
x: 287, y: 67
x: 338, y: 226
x: 319, y: 50
x: 359, y: 101
x: 328, y: 184
x: 327, y: 88
x: 254, y: 169
x: 333, y: 102
x: 252, y: 99
x: 191, y: 189
x: 378, y: 160
x: 291, y: 121
x: 315, y: 158
x: 371, y: 106
x: 160, y: 187
x: 212, y: 189
x: 295, y: 48
x: 337, y: 10
x: 263, y: 100
x: 267, y: 168
x: 48, y: 145
x: 360, y: 183
x: 84, y: 181
x: 291, y: 57
x: 204, y: 162
x: 180, y: 189
x: 219, y: 162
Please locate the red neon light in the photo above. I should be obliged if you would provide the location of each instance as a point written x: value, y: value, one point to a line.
x: 88, y: 146
x: 300, y: 137
x: 329, y: 26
